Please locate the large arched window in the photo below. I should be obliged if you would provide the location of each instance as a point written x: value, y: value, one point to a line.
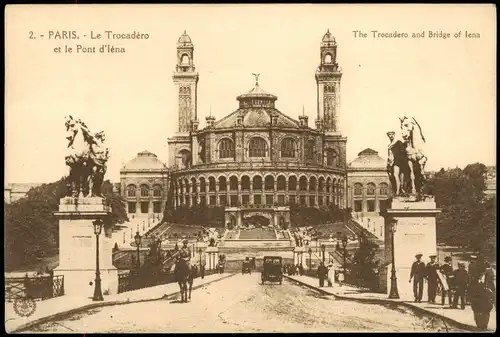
x: 245, y: 183
x: 257, y: 147
x: 157, y: 191
x: 185, y: 59
x: 144, y: 191
x: 331, y: 157
x: 384, y: 189
x: 328, y: 58
x: 288, y: 148
x: 303, y: 183
x: 358, y: 189
x: 131, y: 191
x: 226, y: 148
x: 370, y: 189
x: 281, y: 183
x: 310, y: 150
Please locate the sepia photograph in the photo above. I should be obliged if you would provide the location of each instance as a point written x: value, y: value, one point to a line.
x: 250, y: 168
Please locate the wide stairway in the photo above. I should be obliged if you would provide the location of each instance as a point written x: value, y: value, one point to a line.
x: 257, y: 234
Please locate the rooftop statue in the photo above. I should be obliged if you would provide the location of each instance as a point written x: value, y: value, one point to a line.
x: 86, y: 158
x: 406, y: 159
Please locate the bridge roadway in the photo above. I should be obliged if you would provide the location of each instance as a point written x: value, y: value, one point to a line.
x: 241, y: 304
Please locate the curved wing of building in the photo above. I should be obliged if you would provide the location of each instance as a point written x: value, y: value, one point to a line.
x: 257, y: 156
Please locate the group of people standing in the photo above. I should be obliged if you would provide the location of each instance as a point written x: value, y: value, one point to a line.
x: 475, y: 286
x: 292, y: 269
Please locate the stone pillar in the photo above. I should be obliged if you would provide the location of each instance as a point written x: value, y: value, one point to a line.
x: 287, y: 198
x: 364, y: 208
x: 240, y: 199
x: 275, y: 191
x: 77, y: 247
x: 217, y: 201
x: 228, y: 193
x: 251, y: 192
x: 415, y: 232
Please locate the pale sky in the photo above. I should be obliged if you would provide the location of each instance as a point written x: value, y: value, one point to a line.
x: 448, y: 85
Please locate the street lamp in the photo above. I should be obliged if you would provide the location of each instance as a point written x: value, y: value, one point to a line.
x: 97, y: 290
x: 143, y: 225
x: 393, y: 294
x: 137, y: 239
x: 344, y: 245
x: 323, y: 250
x: 310, y: 259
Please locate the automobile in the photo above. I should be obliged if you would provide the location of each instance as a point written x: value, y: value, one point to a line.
x: 246, y: 267
x: 272, y: 269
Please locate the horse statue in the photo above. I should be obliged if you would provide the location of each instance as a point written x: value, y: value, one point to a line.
x: 184, y: 276
x: 86, y: 159
x: 414, y: 142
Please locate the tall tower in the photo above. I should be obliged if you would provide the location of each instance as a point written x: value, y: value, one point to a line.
x: 328, y: 78
x: 186, y: 81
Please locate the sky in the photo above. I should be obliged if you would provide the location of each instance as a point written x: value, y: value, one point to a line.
x: 448, y: 85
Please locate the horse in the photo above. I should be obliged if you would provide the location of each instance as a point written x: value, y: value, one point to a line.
x: 184, y: 275
x: 416, y: 158
x: 86, y: 158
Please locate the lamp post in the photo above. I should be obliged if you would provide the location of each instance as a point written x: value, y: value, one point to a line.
x: 149, y: 220
x: 143, y: 225
x: 137, y: 239
x: 393, y: 294
x: 323, y: 248
x: 97, y: 290
x: 344, y: 245
x: 310, y: 259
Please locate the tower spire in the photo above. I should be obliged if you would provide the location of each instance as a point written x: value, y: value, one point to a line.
x: 303, y: 110
x: 256, y: 78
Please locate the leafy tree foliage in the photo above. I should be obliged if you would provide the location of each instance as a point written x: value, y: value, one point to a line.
x: 468, y: 217
x: 32, y: 230
x: 195, y: 215
x: 311, y: 216
x: 363, y: 265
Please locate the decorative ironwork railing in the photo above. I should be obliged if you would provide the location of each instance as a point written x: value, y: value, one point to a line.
x: 38, y: 287
x: 257, y: 164
x: 134, y: 281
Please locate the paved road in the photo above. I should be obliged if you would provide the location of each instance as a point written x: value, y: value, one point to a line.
x: 242, y: 304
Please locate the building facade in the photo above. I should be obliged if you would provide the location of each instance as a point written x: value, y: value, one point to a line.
x: 16, y: 191
x: 258, y: 157
x: 144, y: 184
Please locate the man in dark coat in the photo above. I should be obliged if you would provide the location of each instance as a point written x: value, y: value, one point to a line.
x: 301, y: 270
x: 447, y: 271
x: 482, y: 299
x: 432, y: 279
x: 418, y: 275
x: 322, y: 272
x: 461, y: 283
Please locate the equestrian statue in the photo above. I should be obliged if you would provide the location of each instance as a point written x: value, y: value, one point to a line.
x: 406, y: 159
x: 86, y: 158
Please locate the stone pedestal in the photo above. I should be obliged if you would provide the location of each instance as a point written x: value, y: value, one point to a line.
x: 212, y: 256
x: 415, y: 233
x: 77, y: 247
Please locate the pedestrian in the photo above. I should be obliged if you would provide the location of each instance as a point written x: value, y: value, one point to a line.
x: 331, y: 274
x: 432, y: 278
x: 482, y: 299
x: 461, y: 279
x: 417, y: 274
x: 489, y: 278
x: 322, y: 273
x: 301, y: 269
x: 447, y: 270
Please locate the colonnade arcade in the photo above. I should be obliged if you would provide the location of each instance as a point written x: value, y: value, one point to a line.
x: 259, y: 189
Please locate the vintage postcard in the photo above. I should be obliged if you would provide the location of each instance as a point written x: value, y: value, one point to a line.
x: 250, y: 168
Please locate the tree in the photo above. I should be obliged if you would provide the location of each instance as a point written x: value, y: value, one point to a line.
x: 468, y: 217
x: 32, y: 230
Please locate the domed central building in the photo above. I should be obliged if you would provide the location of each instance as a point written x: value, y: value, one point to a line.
x: 257, y: 160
